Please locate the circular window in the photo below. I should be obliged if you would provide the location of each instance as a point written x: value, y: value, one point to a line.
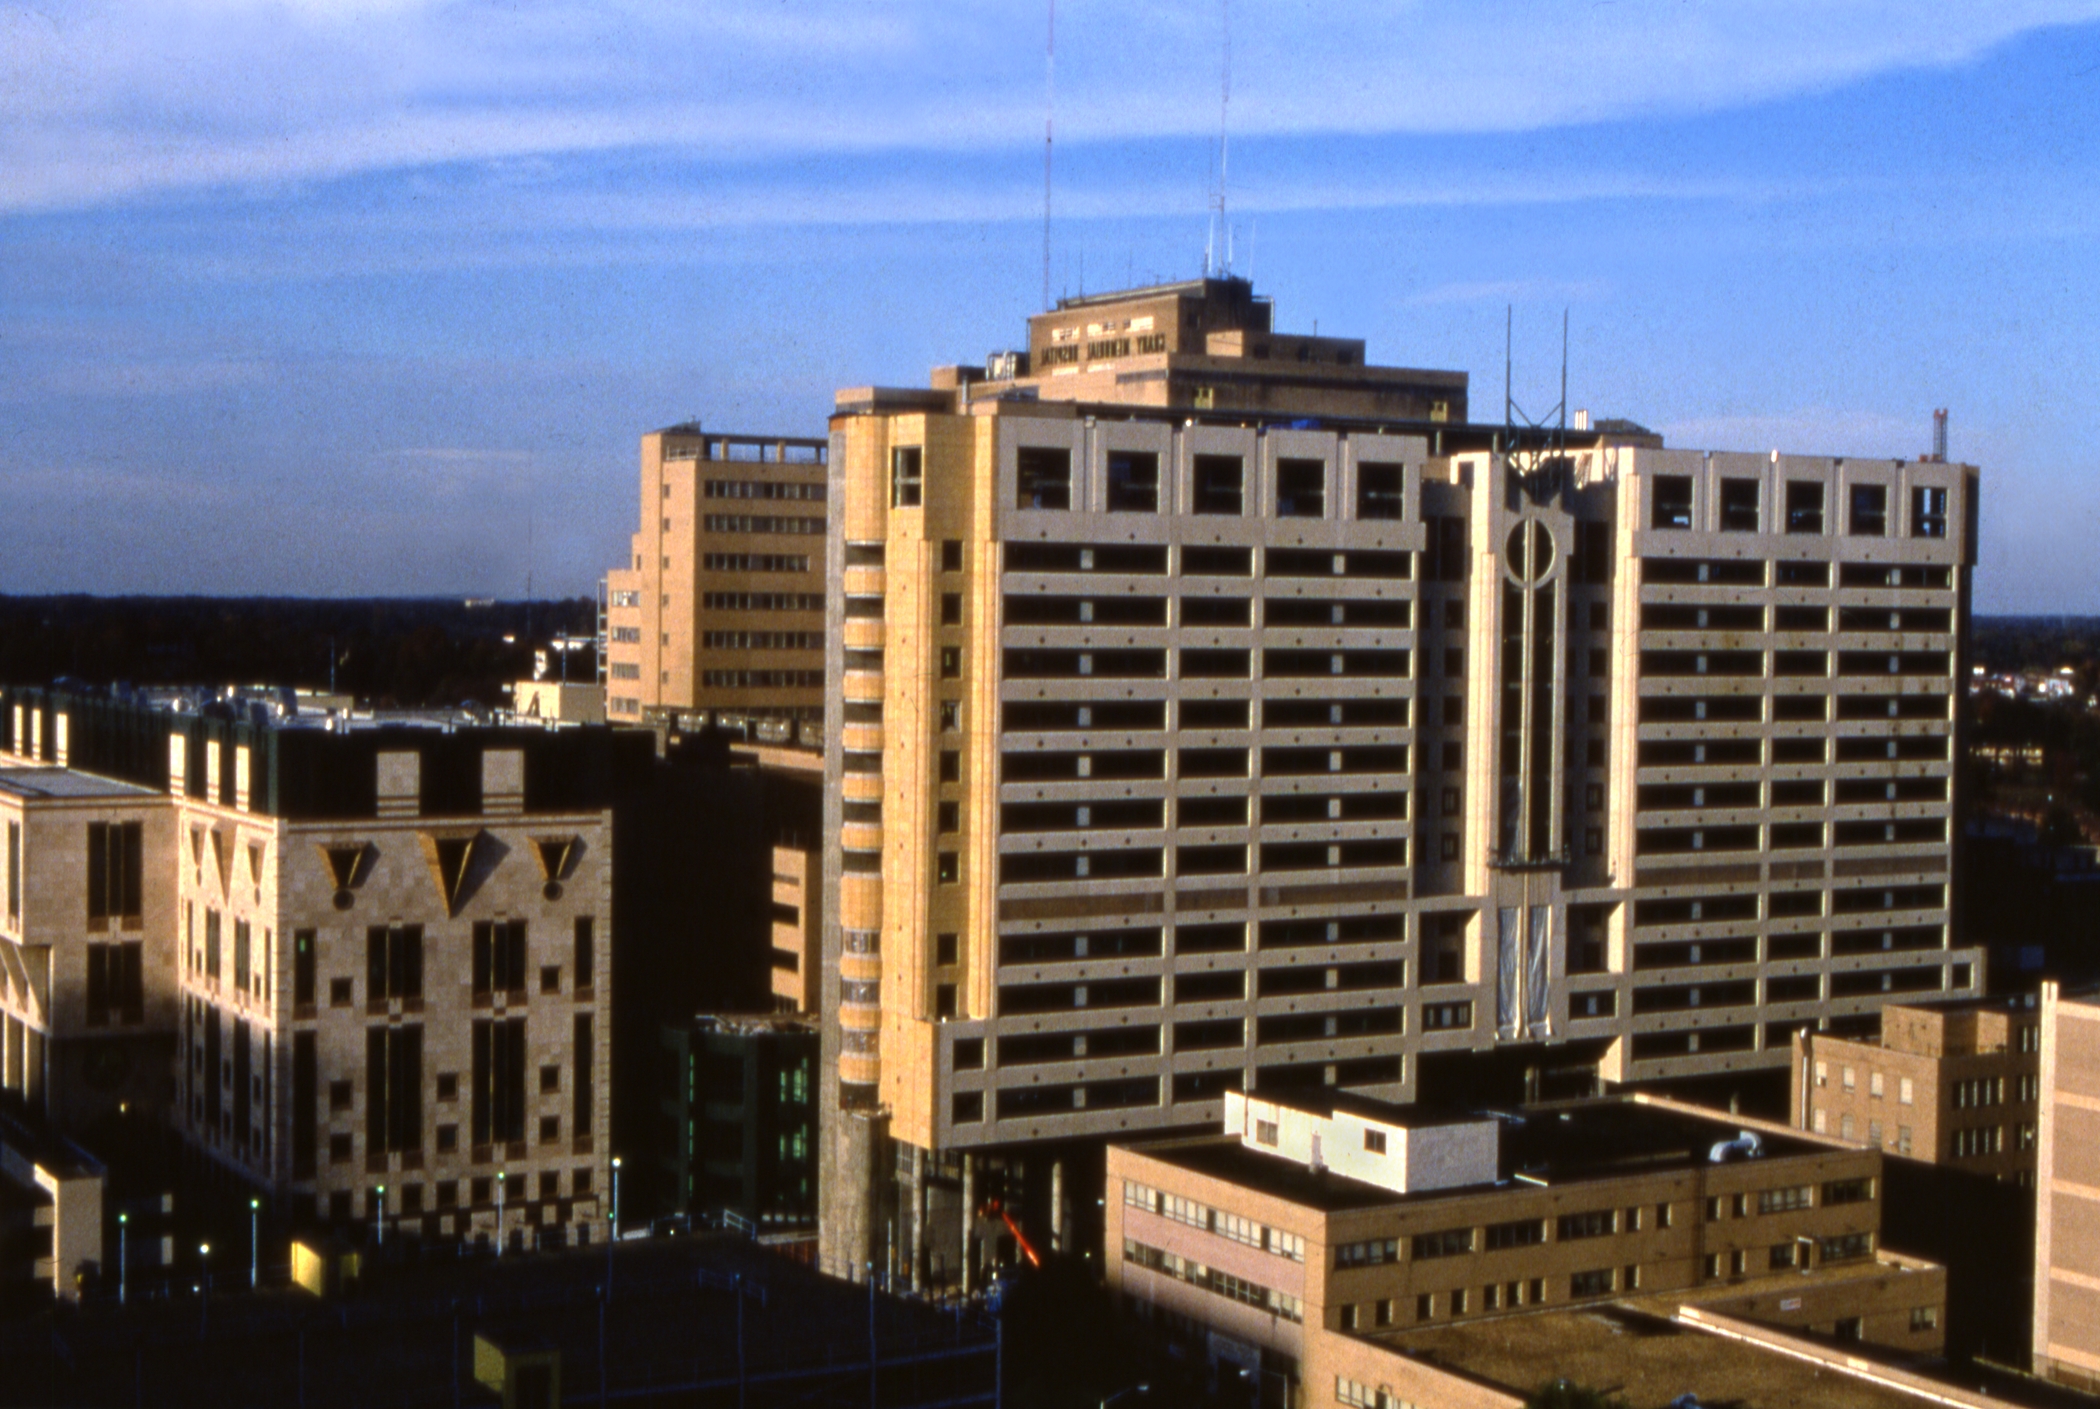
x: 1528, y: 555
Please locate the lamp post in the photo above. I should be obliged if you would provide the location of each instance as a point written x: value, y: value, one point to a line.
x: 123, y: 1261
x: 204, y: 1301
x: 381, y: 1192
x: 499, y: 1211
x: 254, y: 1244
x: 612, y: 1227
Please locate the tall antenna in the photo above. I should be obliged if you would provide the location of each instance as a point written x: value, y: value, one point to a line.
x: 1049, y: 133
x: 1939, y: 436
x: 1224, y: 123
x: 1537, y: 449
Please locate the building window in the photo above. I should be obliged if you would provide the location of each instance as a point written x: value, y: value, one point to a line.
x: 1739, y: 506
x: 1042, y: 478
x: 1301, y: 489
x: 1924, y: 1318
x: 1906, y: 1092
x: 1804, y: 506
x: 1133, y: 482
x: 1265, y: 1132
x: 1672, y: 502
x: 1380, y: 491
x: 394, y: 962
x: 394, y: 1088
x: 115, y: 873
x: 948, y: 817
x: 1874, y: 1085
x: 1374, y: 1142
x: 1870, y: 511
x: 1597, y: 1283
x: 948, y: 868
x: 499, y: 957
x: 498, y: 1082
x: 1928, y: 512
x: 115, y: 984
x: 907, y: 477
x: 1218, y: 484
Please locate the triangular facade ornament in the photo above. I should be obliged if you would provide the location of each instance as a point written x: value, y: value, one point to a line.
x: 451, y: 860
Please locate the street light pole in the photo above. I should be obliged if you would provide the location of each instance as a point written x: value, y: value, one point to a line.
x: 381, y: 1191
x: 612, y: 1227
x: 254, y: 1244
x: 204, y: 1301
x: 499, y: 1211
x: 123, y: 1261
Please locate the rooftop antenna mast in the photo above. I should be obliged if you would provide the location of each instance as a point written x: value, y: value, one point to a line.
x: 1224, y: 224
x: 1537, y: 450
x: 1049, y: 134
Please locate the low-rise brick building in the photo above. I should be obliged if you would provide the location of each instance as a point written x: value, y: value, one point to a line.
x: 1351, y: 1217
x: 1953, y: 1083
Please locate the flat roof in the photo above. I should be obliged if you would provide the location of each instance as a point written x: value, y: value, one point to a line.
x: 1646, y: 1360
x: 66, y: 783
x: 1549, y: 1145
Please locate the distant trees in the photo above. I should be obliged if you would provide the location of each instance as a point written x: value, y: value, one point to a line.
x: 390, y: 651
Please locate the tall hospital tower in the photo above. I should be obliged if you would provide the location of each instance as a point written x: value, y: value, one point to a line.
x: 1218, y: 711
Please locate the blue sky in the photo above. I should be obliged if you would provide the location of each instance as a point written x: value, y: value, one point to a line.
x: 319, y: 298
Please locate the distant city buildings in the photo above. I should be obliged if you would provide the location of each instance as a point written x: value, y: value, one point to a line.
x: 1948, y: 1083
x: 721, y: 608
x: 1228, y: 713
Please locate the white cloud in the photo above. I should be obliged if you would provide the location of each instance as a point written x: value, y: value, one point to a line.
x: 102, y: 102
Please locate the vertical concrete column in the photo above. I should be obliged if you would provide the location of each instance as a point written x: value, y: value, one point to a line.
x: 1057, y: 1205
x: 916, y: 1254
x: 969, y: 1221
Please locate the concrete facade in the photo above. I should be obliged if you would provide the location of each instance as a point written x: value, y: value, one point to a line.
x: 2067, y: 1192
x: 1184, y: 750
x: 721, y: 606
x: 1954, y: 1083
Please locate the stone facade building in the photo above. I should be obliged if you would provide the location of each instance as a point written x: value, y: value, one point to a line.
x: 376, y: 961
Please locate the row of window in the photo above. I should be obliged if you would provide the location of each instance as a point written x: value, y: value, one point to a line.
x: 762, y: 679
x: 1753, y: 572
x: 1741, y: 617
x: 762, y: 602
x: 762, y: 489
x: 762, y: 640
x: 761, y: 523
x: 1217, y: 483
x: 1209, y: 1220
x: 1739, y: 510
x: 1281, y: 1305
x: 755, y: 562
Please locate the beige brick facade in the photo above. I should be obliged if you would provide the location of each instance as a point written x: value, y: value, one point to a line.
x: 2067, y: 1212
x: 721, y: 605
x: 1954, y: 1084
x: 1185, y: 749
